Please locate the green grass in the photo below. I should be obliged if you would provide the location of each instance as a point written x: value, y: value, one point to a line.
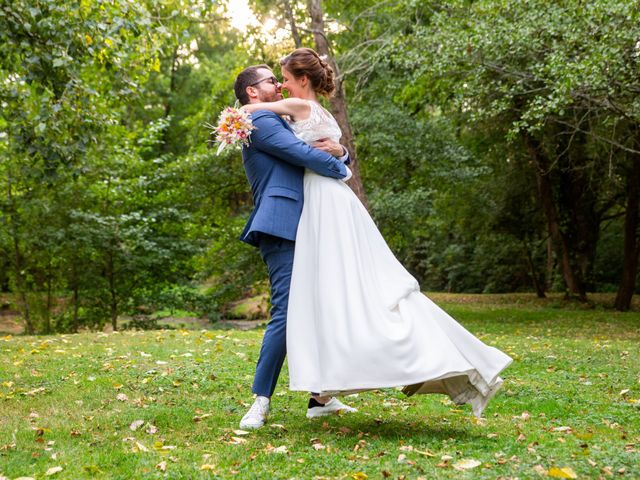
x: 573, y: 368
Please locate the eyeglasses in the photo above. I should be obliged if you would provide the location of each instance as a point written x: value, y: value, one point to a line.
x: 273, y: 80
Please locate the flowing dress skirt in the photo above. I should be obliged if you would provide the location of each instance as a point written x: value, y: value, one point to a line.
x: 358, y: 321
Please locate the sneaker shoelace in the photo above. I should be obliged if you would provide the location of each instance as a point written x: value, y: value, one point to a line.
x: 257, y: 409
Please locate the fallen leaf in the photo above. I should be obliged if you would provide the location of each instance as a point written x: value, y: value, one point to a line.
x: 33, y: 392
x: 138, y: 447
x: 241, y: 432
x: 91, y: 469
x: 198, y: 418
x: 280, y: 449
x: 624, y: 392
x: 207, y: 466
x: 152, y: 429
x: 540, y: 470
x: 607, y: 471
x: 318, y: 446
x: 466, y: 464
x: 237, y: 441
x: 402, y: 458
x: 564, y: 472
x: 136, y: 424
x: 122, y: 397
x: 162, y: 466
x: 53, y: 471
x: 425, y: 452
x: 562, y: 429
x: 359, y: 476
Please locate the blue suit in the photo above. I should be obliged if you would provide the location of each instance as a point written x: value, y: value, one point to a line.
x: 274, y: 163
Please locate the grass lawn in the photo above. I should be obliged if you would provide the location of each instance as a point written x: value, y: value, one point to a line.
x: 166, y: 404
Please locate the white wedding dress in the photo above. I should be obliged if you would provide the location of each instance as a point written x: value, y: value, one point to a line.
x: 357, y: 319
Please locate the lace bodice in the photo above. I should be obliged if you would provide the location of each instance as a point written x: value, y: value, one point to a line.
x: 320, y: 124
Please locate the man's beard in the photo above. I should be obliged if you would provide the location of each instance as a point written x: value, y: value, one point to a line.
x: 269, y: 96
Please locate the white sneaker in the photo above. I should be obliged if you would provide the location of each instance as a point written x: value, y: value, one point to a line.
x: 332, y: 406
x: 257, y: 414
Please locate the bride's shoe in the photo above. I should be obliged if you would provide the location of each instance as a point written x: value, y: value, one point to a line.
x: 334, y: 405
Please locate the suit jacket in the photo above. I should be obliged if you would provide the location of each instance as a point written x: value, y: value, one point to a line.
x: 274, y: 163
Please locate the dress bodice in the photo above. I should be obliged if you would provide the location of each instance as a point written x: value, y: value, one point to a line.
x: 320, y: 124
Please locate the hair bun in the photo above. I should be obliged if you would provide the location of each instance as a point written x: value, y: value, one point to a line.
x: 305, y: 62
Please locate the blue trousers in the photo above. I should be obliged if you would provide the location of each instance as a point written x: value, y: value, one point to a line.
x: 277, y: 253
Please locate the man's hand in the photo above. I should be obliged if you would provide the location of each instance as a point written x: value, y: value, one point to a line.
x: 330, y: 147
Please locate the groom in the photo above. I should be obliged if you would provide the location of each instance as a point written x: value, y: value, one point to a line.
x: 274, y: 163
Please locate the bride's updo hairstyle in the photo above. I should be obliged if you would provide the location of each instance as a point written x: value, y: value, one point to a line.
x: 306, y: 62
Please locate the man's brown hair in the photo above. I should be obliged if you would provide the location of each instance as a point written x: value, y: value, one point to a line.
x: 245, y: 79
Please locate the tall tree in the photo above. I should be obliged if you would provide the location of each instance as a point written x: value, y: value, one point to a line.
x: 339, y: 106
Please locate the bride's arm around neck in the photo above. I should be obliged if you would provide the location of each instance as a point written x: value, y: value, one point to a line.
x: 296, y: 108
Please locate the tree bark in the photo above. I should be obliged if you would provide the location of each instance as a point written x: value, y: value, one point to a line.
x: 172, y: 90
x: 295, y: 33
x: 339, y: 100
x: 548, y: 281
x: 113, y: 303
x: 18, y: 262
x: 545, y: 190
x: 538, y: 285
x: 631, y: 239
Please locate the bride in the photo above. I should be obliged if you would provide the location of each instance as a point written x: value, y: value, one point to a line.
x: 356, y: 318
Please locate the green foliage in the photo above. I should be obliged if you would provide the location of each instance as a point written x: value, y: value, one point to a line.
x: 111, y: 201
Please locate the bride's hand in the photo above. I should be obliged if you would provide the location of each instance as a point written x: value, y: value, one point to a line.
x: 330, y: 147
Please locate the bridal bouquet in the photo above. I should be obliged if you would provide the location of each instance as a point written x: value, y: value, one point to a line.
x: 234, y: 128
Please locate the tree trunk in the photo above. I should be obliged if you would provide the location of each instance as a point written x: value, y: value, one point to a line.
x: 545, y: 190
x: 49, y: 306
x: 548, y: 282
x: 113, y: 303
x: 18, y: 262
x: 76, y: 300
x: 167, y: 105
x: 538, y: 285
x: 339, y: 100
x: 631, y: 239
x: 577, y: 199
x: 295, y: 34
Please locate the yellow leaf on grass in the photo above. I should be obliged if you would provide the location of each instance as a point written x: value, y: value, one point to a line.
x: 207, y: 466
x: 466, y: 464
x: 139, y: 447
x: 53, y: 471
x: 564, y: 472
x: 359, y: 476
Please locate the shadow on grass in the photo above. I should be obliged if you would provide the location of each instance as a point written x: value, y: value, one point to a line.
x: 425, y: 430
